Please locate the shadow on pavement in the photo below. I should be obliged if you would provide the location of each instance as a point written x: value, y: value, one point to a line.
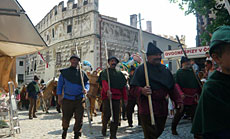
x: 51, y: 116
x: 59, y: 132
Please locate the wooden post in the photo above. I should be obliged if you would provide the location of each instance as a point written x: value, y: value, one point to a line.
x: 146, y: 74
x: 87, y: 103
x: 107, y: 70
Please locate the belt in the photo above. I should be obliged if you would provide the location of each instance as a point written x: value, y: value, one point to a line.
x: 76, y: 96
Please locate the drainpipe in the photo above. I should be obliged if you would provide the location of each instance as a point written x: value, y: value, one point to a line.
x: 100, y: 41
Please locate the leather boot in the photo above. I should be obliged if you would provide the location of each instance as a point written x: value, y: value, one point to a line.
x: 103, y: 131
x: 77, y: 135
x: 174, y: 132
x: 173, y: 128
x: 64, y: 133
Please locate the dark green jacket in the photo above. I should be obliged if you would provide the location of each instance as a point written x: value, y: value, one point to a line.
x: 33, y: 89
x: 213, y: 111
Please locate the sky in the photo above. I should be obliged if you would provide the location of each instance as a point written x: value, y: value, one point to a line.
x: 166, y: 17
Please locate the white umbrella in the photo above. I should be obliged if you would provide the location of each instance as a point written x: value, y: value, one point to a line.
x: 18, y: 36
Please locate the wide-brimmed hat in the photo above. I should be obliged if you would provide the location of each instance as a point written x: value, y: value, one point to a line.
x: 113, y: 57
x: 75, y: 56
x: 184, y: 59
x: 36, y: 77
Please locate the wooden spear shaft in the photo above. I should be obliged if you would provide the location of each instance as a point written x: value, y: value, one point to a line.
x: 87, y: 104
x: 107, y: 70
x: 146, y: 74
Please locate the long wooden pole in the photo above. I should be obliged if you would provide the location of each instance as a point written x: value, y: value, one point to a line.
x: 87, y: 103
x: 146, y: 74
x: 107, y: 70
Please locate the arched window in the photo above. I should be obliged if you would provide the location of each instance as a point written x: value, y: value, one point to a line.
x: 85, y: 2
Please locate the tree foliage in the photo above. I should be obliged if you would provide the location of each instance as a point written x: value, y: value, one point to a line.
x: 203, y: 8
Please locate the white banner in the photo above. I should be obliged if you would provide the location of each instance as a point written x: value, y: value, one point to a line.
x: 193, y: 52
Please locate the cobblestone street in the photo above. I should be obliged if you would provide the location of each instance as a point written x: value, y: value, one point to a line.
x: 48, y: 126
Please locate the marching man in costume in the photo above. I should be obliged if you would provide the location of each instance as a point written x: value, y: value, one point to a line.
x: 117, y: 91
x: 161, y: 83
x: 72, y: 102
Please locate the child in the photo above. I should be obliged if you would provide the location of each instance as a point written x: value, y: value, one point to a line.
x: 171, y: 108
x: 212, y: 118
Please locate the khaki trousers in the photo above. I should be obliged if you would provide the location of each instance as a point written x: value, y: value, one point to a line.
x: 32, y: 108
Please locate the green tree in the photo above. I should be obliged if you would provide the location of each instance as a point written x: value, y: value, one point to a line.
x: 202, y: 9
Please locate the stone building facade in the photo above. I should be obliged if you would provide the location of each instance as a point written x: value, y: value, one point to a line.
x: 81, y: 26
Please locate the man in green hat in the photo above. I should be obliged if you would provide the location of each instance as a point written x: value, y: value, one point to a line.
x: 161, y: 84
x: 32, y: 94
x: 212, y: 115
x: 117, y: 91
x: 189, y: 89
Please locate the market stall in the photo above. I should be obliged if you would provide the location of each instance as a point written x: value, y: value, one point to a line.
x: 18, y: 37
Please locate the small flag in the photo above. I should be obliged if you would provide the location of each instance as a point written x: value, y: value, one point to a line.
x: 43, y: 59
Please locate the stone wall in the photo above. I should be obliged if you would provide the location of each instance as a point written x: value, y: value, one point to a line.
x: 80, y: 26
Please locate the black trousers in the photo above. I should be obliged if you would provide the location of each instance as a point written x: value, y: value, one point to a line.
x: 152, y: 131
x: 70, y: 108
x: 190, y: 109
x: 107, y: 114
x: 130, y: 110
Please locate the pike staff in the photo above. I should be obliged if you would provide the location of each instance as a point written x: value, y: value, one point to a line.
x: 107, y: 71
x: 146, y: 73
x: 87, y: 103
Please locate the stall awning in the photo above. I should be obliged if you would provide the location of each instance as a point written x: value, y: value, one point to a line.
x: 18, y: 36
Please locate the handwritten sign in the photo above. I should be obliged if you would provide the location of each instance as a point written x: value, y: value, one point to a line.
x: 189, y: 51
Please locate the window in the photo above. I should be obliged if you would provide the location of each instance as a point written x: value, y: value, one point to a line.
x: 69, y: 28
x: 53, y: 33
x: 20, y: 78
x: 47, y: 57
x: 155, y: 42
x: 170, y: 65
x: 28, y: 70
x: 32, y: 65
x: 35, y: 65
x: 85, y: 2
x: 169, y: 47
x: 55, y: 11
x: 47, y: 37
x: 58, y: 58
x: 20, y: 63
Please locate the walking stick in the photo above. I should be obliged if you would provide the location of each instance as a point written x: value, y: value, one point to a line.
x: 107, y: 70
x: 87, y: 103
x: 146, y: 74
x: 180, y: 45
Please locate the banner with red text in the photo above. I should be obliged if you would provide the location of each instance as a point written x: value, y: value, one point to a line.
x: 191, y: 52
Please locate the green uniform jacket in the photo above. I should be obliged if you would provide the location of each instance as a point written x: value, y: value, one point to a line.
x: 213, y: 111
